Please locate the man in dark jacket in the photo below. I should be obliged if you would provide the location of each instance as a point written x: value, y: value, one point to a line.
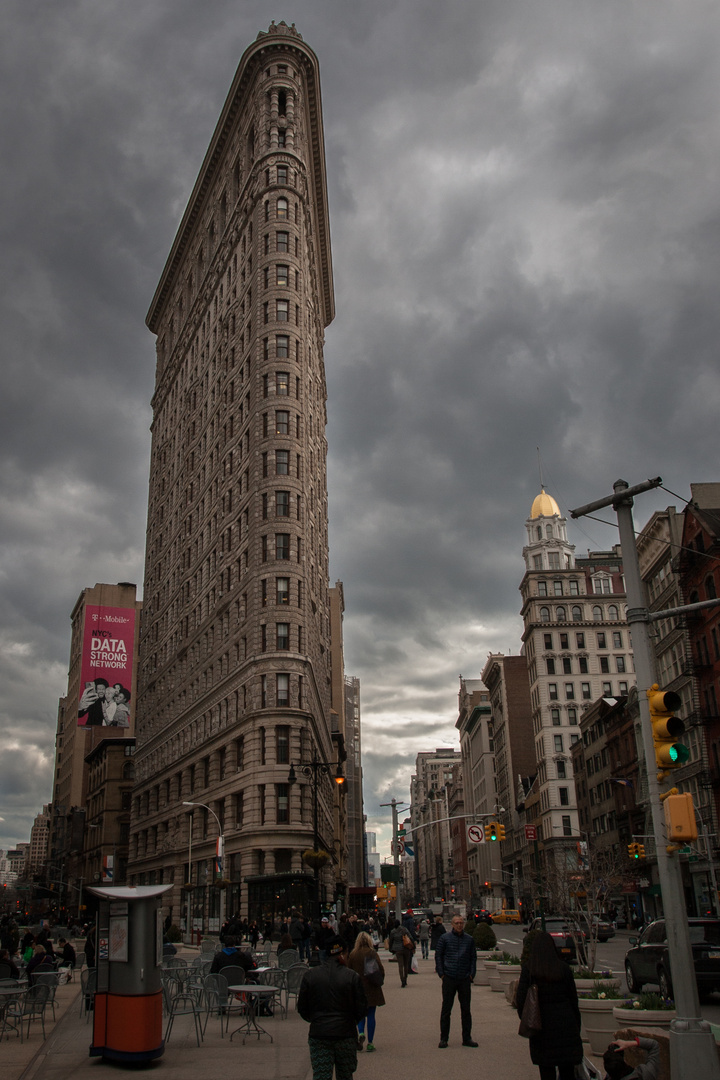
x: 332, y: 1000
x: 230, y: 956
x: 455, y: 963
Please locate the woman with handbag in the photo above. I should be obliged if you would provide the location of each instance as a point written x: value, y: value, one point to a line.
x: 402, y: 946
x: 556, y: 1046
x: 365, y: 960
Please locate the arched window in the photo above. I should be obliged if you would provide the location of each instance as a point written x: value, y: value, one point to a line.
x: 612, y: 613
x: 710, y: 591
x: 577, y: 613
x: 597, y: 613
x: 560, y: 614
x: 548, y: 531
x: 539, y: 532
x: 544, y: 614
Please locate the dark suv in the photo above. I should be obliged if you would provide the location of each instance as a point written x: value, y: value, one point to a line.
x: 649, y: 960
x: 564, y: 935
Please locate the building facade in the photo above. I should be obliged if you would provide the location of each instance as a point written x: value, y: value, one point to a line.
x: 235, y: 678
x: 477, y: 752
x: 577, y: 648
x: 430, y: 825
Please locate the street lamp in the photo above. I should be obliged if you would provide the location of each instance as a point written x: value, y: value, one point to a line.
x: 312, y: 770
x: 218, y: 857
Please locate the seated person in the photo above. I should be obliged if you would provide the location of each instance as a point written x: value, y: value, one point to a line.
x: 41, y: 962
x: 67, y: 957
x: 7, y: 962
x: 286, y: 942
x: 616, y: 1067
x: 230, y: 956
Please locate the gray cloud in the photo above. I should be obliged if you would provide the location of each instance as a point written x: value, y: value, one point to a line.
x: 525, y: 222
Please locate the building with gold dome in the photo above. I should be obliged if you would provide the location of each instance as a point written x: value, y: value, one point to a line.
x: 577, y: 647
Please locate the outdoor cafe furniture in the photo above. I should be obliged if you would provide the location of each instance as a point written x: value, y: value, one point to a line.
x: 254, y: 996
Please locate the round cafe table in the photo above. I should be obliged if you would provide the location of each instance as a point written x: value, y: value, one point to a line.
x: 254, y: 995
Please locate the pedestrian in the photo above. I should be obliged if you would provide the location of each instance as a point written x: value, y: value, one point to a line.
x: 402, y: 946
x: 616, y: 1067
x: 455, y: 963
x: 424, y: 936
x: 332, y: 1000
x: 365, y: 960
x: 558, y: 1044
x: 436, y: 931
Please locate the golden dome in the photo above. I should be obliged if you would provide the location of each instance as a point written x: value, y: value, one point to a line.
x: 544, y: 506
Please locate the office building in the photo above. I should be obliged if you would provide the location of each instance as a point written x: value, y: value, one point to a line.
x: 236, y: 673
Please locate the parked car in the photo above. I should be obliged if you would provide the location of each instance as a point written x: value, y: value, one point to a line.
x: 506, y: 915
x: 602, y: 929
x: 564, y: 934
x: 648, y: 961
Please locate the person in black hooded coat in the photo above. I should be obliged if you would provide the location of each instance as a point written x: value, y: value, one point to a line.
x: 559, y: 1044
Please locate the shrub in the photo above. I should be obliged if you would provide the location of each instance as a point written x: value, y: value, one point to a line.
x: 602, y: 990
x: 174, y: 934
x: 651, y: 1001
x: 483, y: 936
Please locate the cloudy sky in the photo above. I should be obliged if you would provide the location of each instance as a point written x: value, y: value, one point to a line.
x: 525, y: 218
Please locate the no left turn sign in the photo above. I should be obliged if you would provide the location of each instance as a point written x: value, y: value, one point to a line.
x: 476, y: 834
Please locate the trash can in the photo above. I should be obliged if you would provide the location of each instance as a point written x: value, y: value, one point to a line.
x: 127, y: 1018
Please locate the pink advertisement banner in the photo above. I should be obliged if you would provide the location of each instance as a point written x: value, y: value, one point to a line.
x: 106, y: 667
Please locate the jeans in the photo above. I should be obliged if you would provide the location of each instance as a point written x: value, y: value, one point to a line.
x: 403, y: 963
x: 451, y: 987
x: 425, y: 946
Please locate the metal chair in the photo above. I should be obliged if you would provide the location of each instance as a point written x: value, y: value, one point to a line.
x: 185, y: 1003
x: 293, y: 978
x: 287, y: 958
x: 216, y: 998
x: 88, y: 986
x: 234, y: 976
x: 53, y: 981
x: 28, y: 1005
x: 208, y: 946
x: 276, y: 977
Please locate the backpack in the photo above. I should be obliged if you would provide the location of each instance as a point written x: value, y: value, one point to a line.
x: 372, y: 972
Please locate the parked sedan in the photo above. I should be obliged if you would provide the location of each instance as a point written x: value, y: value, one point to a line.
x: 601, y: 929
x: 649, y: 960
x: 564, y: 935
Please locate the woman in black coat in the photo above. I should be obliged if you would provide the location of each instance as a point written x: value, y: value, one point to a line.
x: 558, y: 1044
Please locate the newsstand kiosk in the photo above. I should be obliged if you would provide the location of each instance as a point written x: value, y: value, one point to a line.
x: 127, y: 1017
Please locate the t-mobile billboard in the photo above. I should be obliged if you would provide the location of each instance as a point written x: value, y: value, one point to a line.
x: 106, y: 667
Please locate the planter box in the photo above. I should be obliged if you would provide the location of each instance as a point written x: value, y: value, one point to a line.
x: 598, y: 1022
x: 589, y: 984
x: 657, y: 1018
x: 503, y: 976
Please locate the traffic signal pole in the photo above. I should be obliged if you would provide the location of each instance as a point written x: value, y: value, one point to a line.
x: 692, y: 1044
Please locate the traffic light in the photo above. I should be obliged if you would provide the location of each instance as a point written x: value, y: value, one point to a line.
x: 633, y: 850
x: 680, y: 818
x: 640, y: 851
x: 492, y: 831
x: 501, y: 832
x: 669, y: 754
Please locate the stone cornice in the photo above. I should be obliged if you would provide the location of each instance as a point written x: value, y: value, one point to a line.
x: 281, y: 41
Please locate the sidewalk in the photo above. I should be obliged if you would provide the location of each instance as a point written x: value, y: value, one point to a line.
x: 406, y: 1038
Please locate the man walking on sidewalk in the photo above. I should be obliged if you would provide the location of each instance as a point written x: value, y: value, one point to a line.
x: 332, y: 1000
x: 455, y: 963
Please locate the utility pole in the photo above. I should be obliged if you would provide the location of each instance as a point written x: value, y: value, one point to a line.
x: 692, y: 1044
x: 393, y: 804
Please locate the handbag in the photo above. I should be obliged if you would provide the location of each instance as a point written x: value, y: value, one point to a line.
x: 531, y: 1021
x: 408, y: 943
x: 372, y: 972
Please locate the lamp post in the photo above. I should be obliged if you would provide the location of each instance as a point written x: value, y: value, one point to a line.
x: 313, y: 770
x: 219, y: 853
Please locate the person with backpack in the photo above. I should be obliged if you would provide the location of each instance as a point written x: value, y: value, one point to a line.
x: 365, y: 960
x: 402, y: 946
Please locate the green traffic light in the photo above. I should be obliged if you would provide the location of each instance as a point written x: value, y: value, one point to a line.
x: 679, y: 753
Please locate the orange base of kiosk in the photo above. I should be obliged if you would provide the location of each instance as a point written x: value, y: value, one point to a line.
x: 127, y: 1028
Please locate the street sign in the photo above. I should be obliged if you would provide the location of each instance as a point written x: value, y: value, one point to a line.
x: 531, y: 832
x: 476, y: 834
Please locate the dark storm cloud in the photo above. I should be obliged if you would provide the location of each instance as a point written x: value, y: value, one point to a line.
x: 524, y: 217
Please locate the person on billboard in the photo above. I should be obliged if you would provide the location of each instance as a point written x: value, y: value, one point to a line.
x: 122, y: 710
x: 91, y: 703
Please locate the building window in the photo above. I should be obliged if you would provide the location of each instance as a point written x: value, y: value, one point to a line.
x: 263, y: 548
x: 282, y: 383
x: 537, y: 562
x: 283, y: 241
x: 282, y: 636
x: 282, y: 545
x: 607, y: 689
x: 263, y: 691
x: 542, y: 588
x: 553, y: 691
x: 282, y: 422
x: 558, y: 743
x: 583, y: 665
x: 572, y: 716
x: 282, y: 345
x: 577, y: 614
x: 564, y: 796
x: 283, y: 814
x: 282, y: 690
x: 555, y: 716
x: 554, y: 560
x: 569, y: 691
x: 550, y: 667
x: 561, y: 771
x: 282, y: 462
x: 597, y: 614
x: 282, y: 174
x: 282, y: 310
x: 282, y: 204
x: 574, y: 587
x: 623, y: 689
x: 613, y: 613
x: 282, y: 274
x: 544, y: 614
x: 282, y: 744
x: 282, y: 503
x: 560, y: 614
x: 586, y: 691
x: 239, y: 809
x: 564, y: 641
x: 617, y: 640
x: 567, y: 665
x: 605, y: 665
x: 282, y: 594
x: 601, y: 641
x: 567, y: 828
x: 548, y: 641
x: 557, y: 588
x: 580, y: 641
x: 620, y: 664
